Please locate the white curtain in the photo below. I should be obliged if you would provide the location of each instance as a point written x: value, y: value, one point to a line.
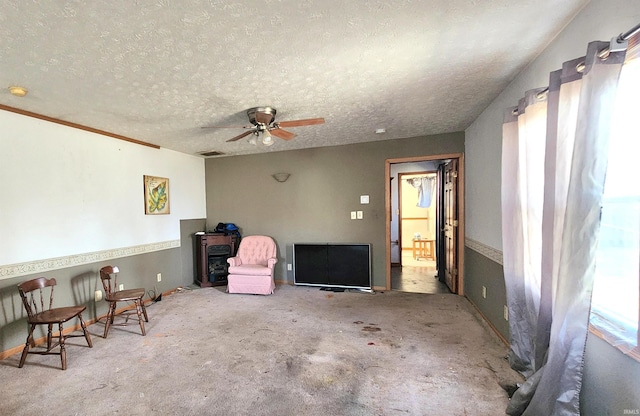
x: 554, y: 163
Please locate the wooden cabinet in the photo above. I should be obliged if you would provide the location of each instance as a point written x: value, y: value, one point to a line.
x: 212, y: 251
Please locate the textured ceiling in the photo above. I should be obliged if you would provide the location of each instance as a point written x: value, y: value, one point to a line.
x: 157, y: 71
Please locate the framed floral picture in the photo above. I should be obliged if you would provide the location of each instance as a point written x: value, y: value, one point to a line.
x: 156, y: 195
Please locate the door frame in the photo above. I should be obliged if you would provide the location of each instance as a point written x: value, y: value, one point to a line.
x: 461, y: 211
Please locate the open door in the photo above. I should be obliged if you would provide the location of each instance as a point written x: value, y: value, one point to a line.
x: 450, y: 229
x: 449, y: 219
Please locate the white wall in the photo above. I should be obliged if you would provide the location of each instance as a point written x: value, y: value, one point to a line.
x: 65, y: 191
x: 599, y: 20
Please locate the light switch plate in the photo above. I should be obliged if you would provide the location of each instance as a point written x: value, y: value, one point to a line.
x: 353, y: 215
x: 359, y: 215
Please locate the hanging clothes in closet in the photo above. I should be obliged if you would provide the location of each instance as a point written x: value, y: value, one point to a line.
x: 426, y: 186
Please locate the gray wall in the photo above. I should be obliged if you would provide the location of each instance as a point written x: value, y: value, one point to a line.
x: 611, y: 381
x: 314, y: 205
x: 187, y: 248
x: 76, y: 285
x: 481, y: 271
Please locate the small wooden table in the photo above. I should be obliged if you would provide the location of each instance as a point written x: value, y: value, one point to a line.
x: 424, y: 248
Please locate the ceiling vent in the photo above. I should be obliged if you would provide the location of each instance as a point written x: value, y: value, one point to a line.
x: 212, y: 153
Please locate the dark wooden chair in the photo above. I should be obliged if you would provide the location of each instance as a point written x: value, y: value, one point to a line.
x: 40, y: 311
x: 113, y: 296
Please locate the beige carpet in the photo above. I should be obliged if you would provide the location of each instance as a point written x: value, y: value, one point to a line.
x: 300, y: 351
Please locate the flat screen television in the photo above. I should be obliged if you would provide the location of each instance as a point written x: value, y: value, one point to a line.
x: 332, y: 265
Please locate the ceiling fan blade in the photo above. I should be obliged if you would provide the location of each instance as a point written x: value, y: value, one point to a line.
x: 227, y: 127
x: 298, y: 123
x: 240, y: 136
x: 283, y: 134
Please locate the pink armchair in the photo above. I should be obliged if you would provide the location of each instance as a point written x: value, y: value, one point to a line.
x: 251, y: 270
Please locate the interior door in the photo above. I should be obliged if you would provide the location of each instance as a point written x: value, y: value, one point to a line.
x: 450, y: 230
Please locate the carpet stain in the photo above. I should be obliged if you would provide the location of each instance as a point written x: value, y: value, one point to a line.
x: 371, y: 329
x: 390, y: 343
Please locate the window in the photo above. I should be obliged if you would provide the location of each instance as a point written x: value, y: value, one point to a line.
x: 616, y: 294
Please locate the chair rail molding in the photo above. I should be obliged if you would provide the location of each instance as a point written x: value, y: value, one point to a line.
x: 485, y: 250
x: 45, y: 265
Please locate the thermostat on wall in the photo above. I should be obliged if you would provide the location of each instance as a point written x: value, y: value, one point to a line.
x: 364, y: 199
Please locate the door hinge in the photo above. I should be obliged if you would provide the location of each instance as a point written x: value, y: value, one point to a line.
x: 455, y: 223
x: 454, y: 173
x: 454, y: 272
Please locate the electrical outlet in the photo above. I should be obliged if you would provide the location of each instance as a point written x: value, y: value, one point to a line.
x: 289, y: 267
x: 359, y: 215
x: 484, y: 292
x: 121, y: 286
x: 98, y: 295
x: 159, y: 276
x: 506, y: 313
x: 353, y: 215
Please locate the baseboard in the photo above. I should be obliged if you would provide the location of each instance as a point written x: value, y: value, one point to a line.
x: 77, y: 327
x: 502, y: 338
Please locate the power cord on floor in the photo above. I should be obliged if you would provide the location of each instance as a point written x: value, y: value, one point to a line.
x: 152, y: 293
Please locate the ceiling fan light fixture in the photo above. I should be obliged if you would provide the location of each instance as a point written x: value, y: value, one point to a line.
x: 263, y: 121
x: 267, y: 140
x: 253, y: 140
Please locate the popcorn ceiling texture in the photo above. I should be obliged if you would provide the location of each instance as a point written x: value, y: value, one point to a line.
x: 158, y: 71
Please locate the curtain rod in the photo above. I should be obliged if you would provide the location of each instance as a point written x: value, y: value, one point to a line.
x: 629, y: 33
x: 431, y: 175
x: 621, y: 39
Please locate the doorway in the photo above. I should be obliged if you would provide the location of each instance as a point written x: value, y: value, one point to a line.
x: 425, y: 224
x: 416, y: 270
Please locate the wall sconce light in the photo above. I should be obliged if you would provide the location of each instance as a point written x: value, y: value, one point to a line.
x: 18, y: 91
x: 281, y: 177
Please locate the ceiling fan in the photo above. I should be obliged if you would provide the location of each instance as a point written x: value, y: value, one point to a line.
x: 263, y: 122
